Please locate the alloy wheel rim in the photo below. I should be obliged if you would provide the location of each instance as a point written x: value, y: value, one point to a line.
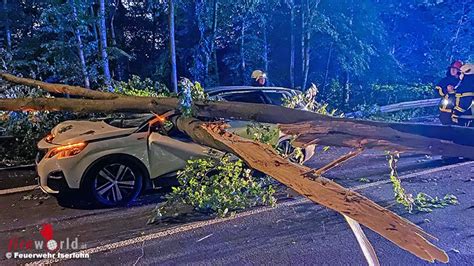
x: 115, y: 182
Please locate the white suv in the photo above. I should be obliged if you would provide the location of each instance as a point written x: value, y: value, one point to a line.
x: 113, y: 159
x: 110, y: 160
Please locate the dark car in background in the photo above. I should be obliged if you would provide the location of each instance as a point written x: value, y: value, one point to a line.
x: 262, y: 95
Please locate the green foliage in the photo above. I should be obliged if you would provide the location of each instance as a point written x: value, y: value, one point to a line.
x: 190, y: 92
x: 262, y: 133
x: 384, y: 94
x: 422, y: 202
x: 26, y: 127
x: 217, y: 187
x: 307, y: 101
x: 141, y: 87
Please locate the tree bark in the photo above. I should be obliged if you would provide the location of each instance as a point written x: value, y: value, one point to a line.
x: 103, y: 41
x: 80, y: 46
x: 59, y: 88
x: 174, y: 75
x: 318, y: 189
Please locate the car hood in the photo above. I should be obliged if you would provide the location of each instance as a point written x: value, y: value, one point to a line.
x: 76, y: 131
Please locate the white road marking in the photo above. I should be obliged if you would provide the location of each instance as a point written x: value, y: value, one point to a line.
x: 17, y: 189
x: 197, y: 225
x: 201, y: 239
x: 425, y: 172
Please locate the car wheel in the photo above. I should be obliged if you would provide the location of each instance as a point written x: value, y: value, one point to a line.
x: 114, y: 182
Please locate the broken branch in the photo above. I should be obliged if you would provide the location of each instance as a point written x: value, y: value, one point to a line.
x: 321, y: 190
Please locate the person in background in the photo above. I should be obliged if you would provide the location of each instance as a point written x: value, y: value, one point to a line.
x: 259, y: 78
x: 463, y: 113
x: 447, y: 89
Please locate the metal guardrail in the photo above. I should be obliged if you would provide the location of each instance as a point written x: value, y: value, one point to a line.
x: 395, y: 107
x: 409, y: 105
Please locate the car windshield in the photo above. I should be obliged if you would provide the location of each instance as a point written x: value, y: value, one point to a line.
x: 276, y: 97
x: 128, y: 121
x: 246, y: 97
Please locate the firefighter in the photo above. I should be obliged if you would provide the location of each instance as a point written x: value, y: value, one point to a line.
x: 447, y: 89
x: 463, y: 113
x: 259, y: 78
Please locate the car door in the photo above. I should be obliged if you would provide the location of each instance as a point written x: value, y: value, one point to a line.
x: 168, y: 151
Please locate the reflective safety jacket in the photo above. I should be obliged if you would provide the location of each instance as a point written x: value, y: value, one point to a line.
x: 464, y: 108
x: 447, y: 103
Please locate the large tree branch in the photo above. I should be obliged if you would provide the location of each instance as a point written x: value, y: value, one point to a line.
x: 372, y: 136
x: 59, y: 88
x: 122, y: 104
x: 318, y: 189
x: 324, y: 130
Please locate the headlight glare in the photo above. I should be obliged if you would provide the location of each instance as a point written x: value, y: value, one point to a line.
x: 67, y: 150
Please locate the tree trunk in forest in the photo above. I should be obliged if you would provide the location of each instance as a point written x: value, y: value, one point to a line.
x: 8, y: 34
x: 94, y: 26
x: 242, y: 51
x: 328, y: 64
x: 347, y: 90
x: 103, y: 49
x: 291, y: 5
x: 203, y: 46
x: 118, y: 71
x: 174, y: 74
x: 303, y: 11
x: 213, y: 40
x: 80, y: 46
x: 265, y: 46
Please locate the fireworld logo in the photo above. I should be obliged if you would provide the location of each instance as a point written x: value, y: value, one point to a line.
x: 48, y: 243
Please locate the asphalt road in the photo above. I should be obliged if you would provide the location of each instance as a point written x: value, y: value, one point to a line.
x: 296, y: 232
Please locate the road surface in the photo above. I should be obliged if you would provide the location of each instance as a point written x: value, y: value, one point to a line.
x: 295, y: 232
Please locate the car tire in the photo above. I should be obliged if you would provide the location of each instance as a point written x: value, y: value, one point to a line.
x: 114, y: 181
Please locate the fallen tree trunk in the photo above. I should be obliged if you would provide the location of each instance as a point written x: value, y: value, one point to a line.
x: 244, y: 111
x: 325, y: 130
x: 357, y: 135
x: 316, y: 188
x: 59, y: 88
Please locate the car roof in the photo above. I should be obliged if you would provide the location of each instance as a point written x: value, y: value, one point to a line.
x: 220, y: 89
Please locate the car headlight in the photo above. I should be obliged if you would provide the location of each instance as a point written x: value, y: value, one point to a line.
x: 67, y: 150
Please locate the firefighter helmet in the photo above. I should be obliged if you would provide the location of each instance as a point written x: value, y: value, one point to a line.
x: 456, y: 64
x: 257, y: 74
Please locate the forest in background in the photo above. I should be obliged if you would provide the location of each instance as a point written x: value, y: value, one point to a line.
x: 357, y: 52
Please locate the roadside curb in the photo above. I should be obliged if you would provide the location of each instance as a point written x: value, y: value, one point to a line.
x: 17, y: 190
